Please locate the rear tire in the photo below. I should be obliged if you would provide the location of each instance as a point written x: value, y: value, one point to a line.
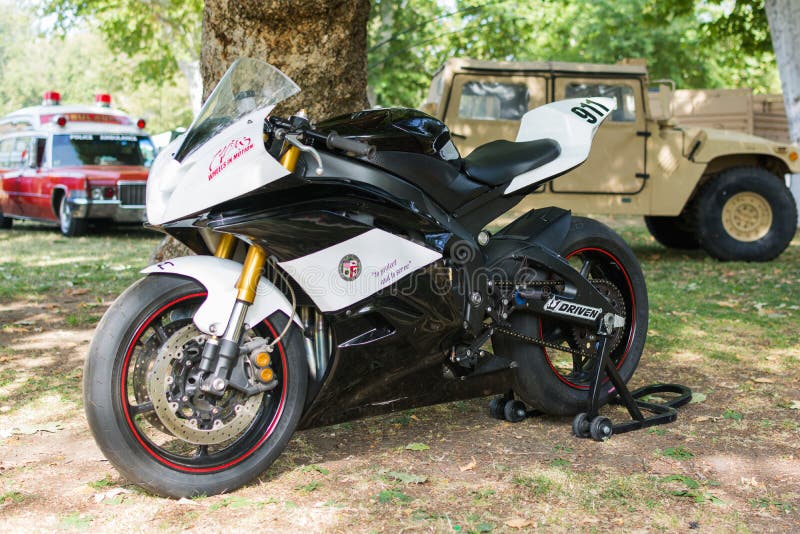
x: 5, y: 222
x: 543, y: 379
x: 120, y: 368
x: 672, y: 232
x: 745, y: 214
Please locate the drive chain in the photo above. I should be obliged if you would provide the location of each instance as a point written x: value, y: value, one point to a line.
x: 533, y: 340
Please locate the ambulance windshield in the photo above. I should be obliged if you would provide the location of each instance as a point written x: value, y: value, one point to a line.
x: 75, y: 150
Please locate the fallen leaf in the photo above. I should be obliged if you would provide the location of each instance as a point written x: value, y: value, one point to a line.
x: 470, y: 466
x: 407, y: 478
x: 518, y: 522
x: 417, y: 447
x: 110, y: 494
x: 701, y: 419
x: 763, y: 380
x: 795, y: 405
x: 190, y: 502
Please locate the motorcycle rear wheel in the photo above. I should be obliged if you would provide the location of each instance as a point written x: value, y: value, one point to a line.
x: 552, y: 381
x: 126, y: 424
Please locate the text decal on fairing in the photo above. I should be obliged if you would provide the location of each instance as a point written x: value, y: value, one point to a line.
x: 564, y: 307
x: 226, y: 155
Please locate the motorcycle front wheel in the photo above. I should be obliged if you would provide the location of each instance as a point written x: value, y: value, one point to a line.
x: 556, y: 381
x: 174, y: 445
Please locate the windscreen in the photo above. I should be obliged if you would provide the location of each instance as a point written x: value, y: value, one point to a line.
x: 248, y: 86
x: 70, y: 150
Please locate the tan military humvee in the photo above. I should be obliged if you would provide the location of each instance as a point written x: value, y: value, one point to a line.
x: 723, y: 190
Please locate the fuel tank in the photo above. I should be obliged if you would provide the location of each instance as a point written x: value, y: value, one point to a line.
x: 413, y: 146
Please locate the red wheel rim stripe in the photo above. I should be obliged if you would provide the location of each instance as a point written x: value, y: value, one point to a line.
x: 633, y: 316
x: 124, y: 398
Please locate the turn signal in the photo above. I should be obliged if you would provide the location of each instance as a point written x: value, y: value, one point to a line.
x: 793, y: 156
x: 266, y: 375
x: 262, y: 359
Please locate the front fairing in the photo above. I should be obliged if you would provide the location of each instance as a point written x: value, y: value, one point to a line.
x: 222, y: 155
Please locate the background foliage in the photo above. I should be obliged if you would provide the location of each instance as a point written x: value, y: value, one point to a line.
x: 697, y: 43
x: 135, y: 49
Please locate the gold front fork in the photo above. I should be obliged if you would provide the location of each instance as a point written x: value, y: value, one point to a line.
x: 257, y: 256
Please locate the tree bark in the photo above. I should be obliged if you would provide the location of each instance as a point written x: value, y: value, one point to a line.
x: 784, y: 26
x: 783, y: 17
x: 320, y: 44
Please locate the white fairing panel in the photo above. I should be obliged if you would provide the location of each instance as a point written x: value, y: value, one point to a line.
x: 219, y: 277
x: 572, y: 123
x: 345, y: 273
x: 232, y: 163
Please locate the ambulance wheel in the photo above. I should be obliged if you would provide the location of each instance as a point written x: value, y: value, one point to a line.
x: 5, y: 222
x: 514, y: 411
x: 70, y: 226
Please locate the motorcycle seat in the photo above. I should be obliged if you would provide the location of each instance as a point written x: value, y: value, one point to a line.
x: 498, y: 162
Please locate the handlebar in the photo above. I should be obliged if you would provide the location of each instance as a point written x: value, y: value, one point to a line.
x: 354, y: 146
x: 332, y: 141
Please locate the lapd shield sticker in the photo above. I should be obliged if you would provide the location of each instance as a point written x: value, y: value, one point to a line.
x: 350, y: 267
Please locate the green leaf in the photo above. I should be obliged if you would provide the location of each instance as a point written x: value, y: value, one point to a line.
x: 417, y: 447
x: 678, y: 453
x: 697, y: 397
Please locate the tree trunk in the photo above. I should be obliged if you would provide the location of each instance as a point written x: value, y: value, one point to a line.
x: 320, y: 44
x: 784, y: 26
x: 783, y: 17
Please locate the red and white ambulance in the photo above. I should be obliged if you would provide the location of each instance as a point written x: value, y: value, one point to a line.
x: 73, y: 165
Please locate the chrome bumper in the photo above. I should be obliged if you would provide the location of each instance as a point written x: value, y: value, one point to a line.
x: 85, y: 208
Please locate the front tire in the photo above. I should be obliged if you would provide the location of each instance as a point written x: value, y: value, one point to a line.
x: 70, y: 225
x: 745, y: 214
x: 123, y: 361
x: 552, y: 381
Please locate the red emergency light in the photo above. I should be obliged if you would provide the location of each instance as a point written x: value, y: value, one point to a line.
x: 61, y: 120
x: 103, y: 100
x: 141, y: 124
x: 51, y: 98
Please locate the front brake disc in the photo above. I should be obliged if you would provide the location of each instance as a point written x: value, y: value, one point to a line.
x: 232, y: 414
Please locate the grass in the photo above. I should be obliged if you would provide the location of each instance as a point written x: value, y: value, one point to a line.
x: 36, y: 261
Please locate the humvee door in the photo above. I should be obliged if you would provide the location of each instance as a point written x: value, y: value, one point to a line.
x: 616, y: 164
x: 486, y: 108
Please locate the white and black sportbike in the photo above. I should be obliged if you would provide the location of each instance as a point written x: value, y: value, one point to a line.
x: 344, y: 269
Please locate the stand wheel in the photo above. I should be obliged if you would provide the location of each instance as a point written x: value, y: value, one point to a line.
x: 514, y: 411
x: 580, y: 425
x: 496, y: 406
x: 601, y: 428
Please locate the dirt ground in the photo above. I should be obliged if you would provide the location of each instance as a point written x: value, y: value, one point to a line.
x: 730, y: 463
x: 709, y: 471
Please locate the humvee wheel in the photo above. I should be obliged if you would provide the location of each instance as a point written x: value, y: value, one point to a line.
x: 745, y: 214
x: 672, y: 232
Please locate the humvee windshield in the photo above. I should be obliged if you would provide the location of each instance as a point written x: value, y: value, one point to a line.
x: 101, y: 149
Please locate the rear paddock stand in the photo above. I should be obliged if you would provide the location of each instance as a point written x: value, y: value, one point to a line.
x: 590, y: 424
